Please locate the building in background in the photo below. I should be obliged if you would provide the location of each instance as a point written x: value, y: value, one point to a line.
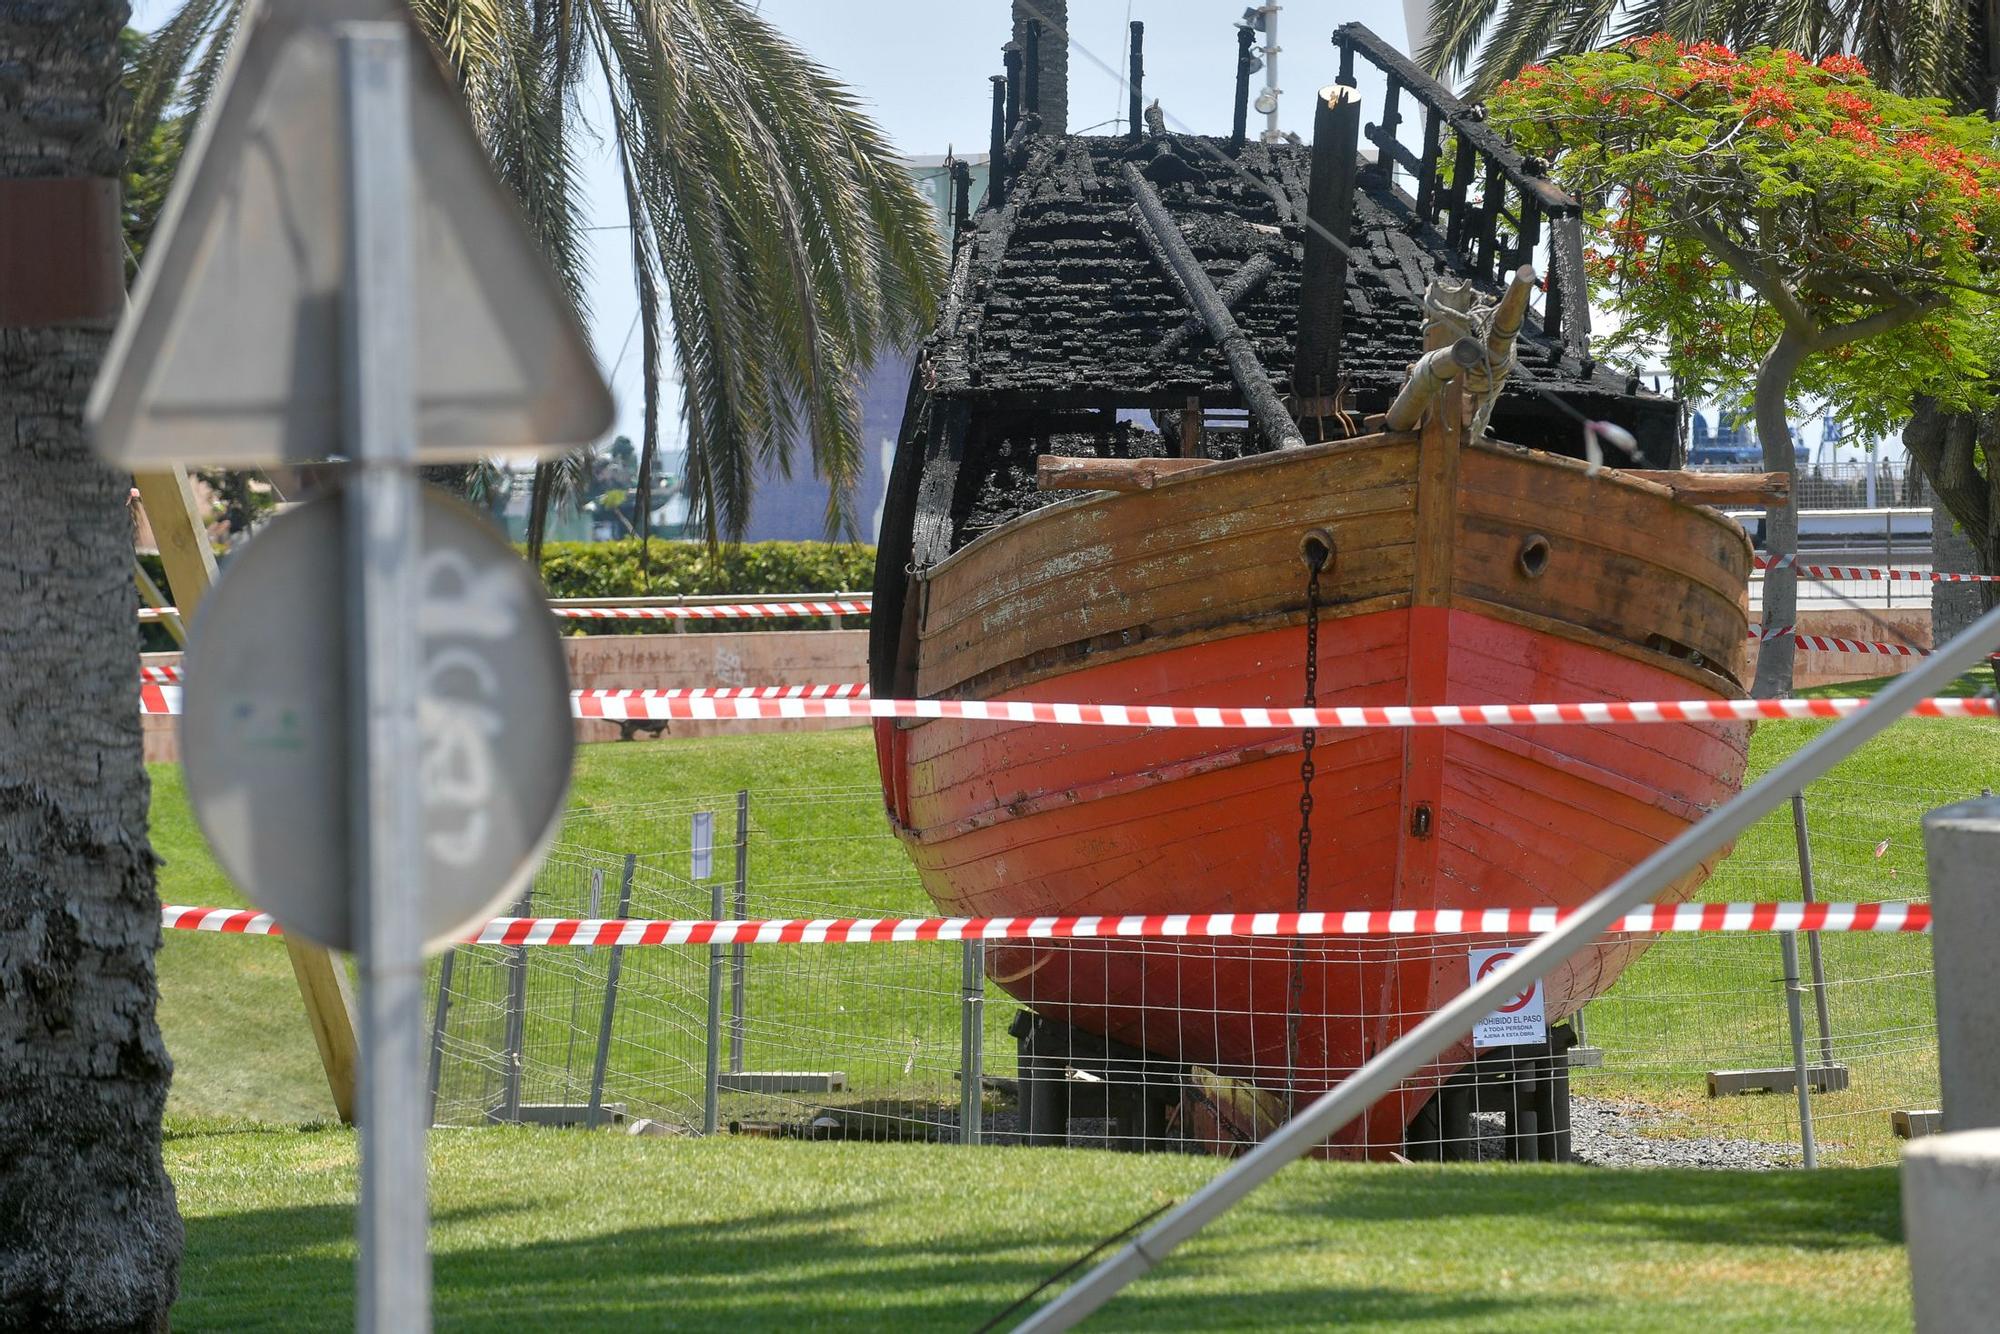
x: 794, y: 508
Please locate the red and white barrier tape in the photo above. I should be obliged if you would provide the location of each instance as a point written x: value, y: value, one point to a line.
x: 1685, y: 917
x: 855, y: 606
x: 1871, y: 572
x: 722, y: 611
x: 1829, y: 644
x: 158, y: 675
x: 619, y: 705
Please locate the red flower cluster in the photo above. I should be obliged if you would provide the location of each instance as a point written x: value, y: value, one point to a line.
x: 1846, y: 67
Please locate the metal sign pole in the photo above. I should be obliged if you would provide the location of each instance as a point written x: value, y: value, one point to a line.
x: 380, y: 556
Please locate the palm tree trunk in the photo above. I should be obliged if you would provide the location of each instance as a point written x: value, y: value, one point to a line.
x: 1775, y: 657
x: 89, y: 1237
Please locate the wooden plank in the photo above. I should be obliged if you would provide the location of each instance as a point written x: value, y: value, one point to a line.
x: 1437, y: 501
x: 190, y: 565
x: 1054, y: 472
x: 1720, y: 488
x: 184, y: 548
x: 1201, y: 556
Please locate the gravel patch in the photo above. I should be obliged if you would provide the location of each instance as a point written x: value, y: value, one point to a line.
x: 1604, y: 1133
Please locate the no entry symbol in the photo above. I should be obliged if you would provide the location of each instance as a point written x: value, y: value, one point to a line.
x: 1495, y: 960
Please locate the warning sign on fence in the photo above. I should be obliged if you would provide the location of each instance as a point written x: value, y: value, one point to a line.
x: 1523, y: 1019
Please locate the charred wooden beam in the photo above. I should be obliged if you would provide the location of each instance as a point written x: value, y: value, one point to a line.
x: 1329, y: 214
x: 1010, y: 60
x: 1058, y: 473
x: 1528, y: 230
x: 1170, y: 250
x: 1248, y: 278
x: 1719, y: 488
x: 1568, y: 309
x: 1191, y: 428
x: 1457, y: 211
x: 1463, y: 118
x: 1137, y: 78
x: 1492, y: 196
x: 1031, y: 68
x: 1245, y: 62
x: 961, y: 200
x: 1046, y: 95
x: 1427, y: 167
x: 1392, y: 120
x: 996, y: 151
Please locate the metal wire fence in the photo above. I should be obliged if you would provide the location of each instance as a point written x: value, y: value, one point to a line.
x: 1688, y: 1057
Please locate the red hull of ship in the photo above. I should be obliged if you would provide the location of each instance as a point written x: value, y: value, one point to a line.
x: 1035, y: 819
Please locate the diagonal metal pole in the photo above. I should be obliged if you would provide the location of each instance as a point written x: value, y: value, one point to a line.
x: 1417, y: 1048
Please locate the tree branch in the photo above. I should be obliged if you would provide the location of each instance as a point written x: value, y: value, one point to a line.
x: 1767, y: 283
x: 1905, y: 311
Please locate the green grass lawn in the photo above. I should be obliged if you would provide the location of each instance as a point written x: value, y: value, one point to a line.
x: 572, y: 1230
x: 614, y: 1231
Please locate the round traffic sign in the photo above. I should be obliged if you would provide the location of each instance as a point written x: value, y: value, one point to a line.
x: 264, y: 722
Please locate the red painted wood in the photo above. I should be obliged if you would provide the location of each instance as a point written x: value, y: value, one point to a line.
x: 1032, y: 819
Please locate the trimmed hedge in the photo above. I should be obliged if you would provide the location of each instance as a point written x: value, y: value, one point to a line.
x: 611, y: 570
x: 747, y: 570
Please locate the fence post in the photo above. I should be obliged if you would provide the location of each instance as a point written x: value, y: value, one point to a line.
x: 438, y: 1014
x: 517, y: 1018
x: 1810, y: 893
x: 711, y: 1095
x: 1788, y: 942
x: 1962, y: 846
x: 1888, y: 542
x: 741, y: 911
x: 610, y: 1011
x: 971, y: 1039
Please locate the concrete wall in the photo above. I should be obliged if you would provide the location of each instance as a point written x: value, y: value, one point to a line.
x: 1900, y: 625
x: 658, y: 662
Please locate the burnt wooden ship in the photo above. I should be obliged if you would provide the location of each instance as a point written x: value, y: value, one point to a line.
x: 1212, y: 335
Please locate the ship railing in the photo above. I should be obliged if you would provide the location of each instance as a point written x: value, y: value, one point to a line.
x: 1453, y: 1022
x: 1492, y: 204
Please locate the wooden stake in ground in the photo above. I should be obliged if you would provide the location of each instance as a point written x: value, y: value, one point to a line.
x: 190, y: 565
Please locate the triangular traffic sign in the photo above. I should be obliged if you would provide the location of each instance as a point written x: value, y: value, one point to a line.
x: 231, y: 352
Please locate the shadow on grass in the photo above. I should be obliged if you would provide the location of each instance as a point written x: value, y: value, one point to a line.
x: 1830, y: 1209
x: 821, y: 1268
x: 293, y: 1269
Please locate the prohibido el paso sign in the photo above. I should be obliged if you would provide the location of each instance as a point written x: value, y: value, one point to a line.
x: 1519, y: 1020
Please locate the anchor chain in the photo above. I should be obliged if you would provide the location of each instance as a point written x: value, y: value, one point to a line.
x: 1315, y: 553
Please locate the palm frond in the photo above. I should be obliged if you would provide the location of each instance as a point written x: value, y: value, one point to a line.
x: 774, y: 231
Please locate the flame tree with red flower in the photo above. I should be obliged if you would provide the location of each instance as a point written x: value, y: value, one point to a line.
x: 1781, y: 229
